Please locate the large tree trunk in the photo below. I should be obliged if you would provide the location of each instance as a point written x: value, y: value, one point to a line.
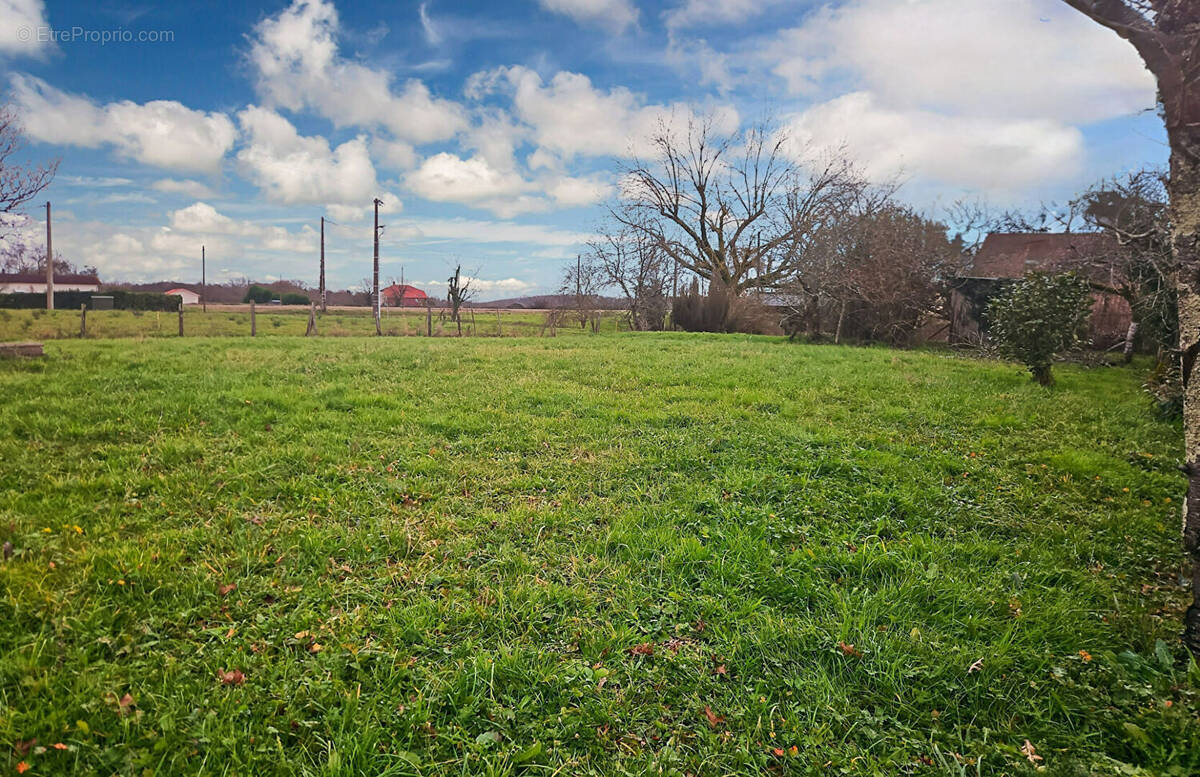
x: 1167, y: 36
x: 1185, y: 222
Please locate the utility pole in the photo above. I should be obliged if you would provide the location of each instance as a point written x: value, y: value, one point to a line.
x: 322, y: 264
x: 49, y: 263
x: 375, y: 276
x: 203, y: 281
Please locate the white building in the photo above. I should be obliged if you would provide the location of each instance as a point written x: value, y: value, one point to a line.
x: 189, y: 297
x: 35, y: 283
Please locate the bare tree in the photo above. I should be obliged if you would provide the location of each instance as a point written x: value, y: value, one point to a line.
x: 632, y: 261
x: 1140, y: 267
x: 582, y: 282
x: 458, y: 292
x: 1166, y: 33
x: 734, y: 210
x: 884, y: 267
x: 20, y: 182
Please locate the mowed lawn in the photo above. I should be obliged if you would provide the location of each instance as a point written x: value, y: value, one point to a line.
x: 616, y: 554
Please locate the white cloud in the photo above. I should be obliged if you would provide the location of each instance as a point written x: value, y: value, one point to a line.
x: 189, y: 188
x: 486, y: 286
x: 476, y: 231
x: 203, y: 221
x: 576, y: 192
x: 445, y: 177
x: 1003, y: 58
x: 21, y: 22
x: 390, y: 203
x: 294, y: 169
x: 432, y: 36
x: 723, y: 13
x: 162, y: 133
x: 614, y: 15
x: 570, y: 117
x: 297, y: 66
x: 973, y: 152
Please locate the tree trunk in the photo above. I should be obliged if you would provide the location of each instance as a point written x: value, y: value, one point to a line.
x: 1184, y: 189
x: 1130, y: 335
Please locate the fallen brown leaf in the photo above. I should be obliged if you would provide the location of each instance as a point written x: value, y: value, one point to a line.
x: 232, y: 677
x: 644, y: 649
x: 714, y: 720
x: 226, y: 589
x: 1030, y: 752
x: 850, y: 650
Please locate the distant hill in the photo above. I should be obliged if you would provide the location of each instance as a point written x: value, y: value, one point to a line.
x: 548, y: 302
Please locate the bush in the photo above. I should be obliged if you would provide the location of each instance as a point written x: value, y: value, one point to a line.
x: 293, y: 298
x: 259, y: 294
x: 721, y: 312
x: 71, y: 300
x: 1038, y: 317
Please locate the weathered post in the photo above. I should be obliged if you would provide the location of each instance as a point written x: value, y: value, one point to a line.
x: 429, y: 319
x: 82, y: 320
x: 323, y: 296
x: 253, y: 322
x: 181, y: 318
x: 312, y: 320
x: 375, y: 301
x: 499, y: 328
x: 49, y: 263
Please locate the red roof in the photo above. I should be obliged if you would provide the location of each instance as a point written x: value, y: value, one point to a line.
x: 405, y: 292
x: 40, y: 277
x: 1011, y: 255
x: 180, y: 290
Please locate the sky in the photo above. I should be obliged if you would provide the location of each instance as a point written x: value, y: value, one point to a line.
x: 494, y: 130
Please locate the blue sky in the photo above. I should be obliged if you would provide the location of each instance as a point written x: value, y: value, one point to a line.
x: 493, y: 131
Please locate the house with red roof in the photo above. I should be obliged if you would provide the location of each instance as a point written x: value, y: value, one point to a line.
x: 403, y: 296
x: 1005, y: 257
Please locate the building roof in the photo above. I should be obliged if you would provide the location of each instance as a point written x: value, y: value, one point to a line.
x: 180, y: 290
x: 404, y: 291
x: 1011, y: 255
x: 40, y: 277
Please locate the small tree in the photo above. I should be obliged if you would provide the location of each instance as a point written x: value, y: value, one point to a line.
x: 1038, y: 317
x: 458, y: 293
x: 259, y: 294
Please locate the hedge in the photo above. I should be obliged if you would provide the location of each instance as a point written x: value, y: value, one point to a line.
x: 71, y: 300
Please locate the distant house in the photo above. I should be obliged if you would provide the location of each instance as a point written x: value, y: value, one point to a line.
x: 403, y: 296
x: 1005, y: 257
x: 35, y: 283
x: 189, y: 297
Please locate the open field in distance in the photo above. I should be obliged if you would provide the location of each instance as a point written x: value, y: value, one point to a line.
x: 234, y: 321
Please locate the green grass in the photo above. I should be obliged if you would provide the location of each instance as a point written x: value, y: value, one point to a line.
x: 16, y: 325
x: 478, y: 533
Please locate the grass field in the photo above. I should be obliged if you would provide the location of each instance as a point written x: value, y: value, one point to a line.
x: 274, y: 321
x: 623, y: 554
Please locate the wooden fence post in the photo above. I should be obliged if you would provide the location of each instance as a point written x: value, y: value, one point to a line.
x: 428, y: 320
x: 499, y: 327
x: 82, y: 320
x: 312, y: 320
x: 181, y: 318
x: 253, y: 322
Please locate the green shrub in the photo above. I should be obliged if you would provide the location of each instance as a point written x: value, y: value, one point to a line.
x: 293, y: 298
x: 71, y: 300
x: 1038, y: 317
x: 259, y: 294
